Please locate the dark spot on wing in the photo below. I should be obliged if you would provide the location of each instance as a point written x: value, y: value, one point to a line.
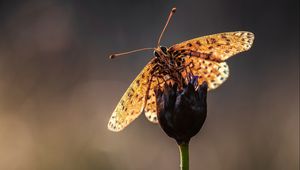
x: 198, y: 43
x: 213, y: 40
x: 138, y: 82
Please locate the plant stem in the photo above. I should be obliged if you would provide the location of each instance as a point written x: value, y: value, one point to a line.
x: 184, y: 156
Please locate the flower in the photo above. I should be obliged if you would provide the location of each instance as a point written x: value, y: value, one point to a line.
x: 182, y: 111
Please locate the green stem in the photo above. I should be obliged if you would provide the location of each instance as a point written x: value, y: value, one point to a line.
x: 184, y: 156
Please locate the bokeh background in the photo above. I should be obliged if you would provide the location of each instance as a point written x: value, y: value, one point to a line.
x: 58, y: 88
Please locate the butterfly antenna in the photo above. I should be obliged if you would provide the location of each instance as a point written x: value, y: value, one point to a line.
x: 169, y: 18
x: 129, y: 52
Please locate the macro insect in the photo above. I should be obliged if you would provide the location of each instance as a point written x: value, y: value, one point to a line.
x: 203, y: 57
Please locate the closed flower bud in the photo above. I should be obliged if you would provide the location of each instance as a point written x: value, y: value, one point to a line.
x: 182, y: 111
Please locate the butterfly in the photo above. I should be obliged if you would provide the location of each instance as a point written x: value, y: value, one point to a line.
x: 203, y: 57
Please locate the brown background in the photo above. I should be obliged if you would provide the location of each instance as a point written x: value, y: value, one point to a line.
x: 58, y: 88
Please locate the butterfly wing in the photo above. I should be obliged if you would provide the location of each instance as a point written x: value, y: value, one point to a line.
x: 205, y: 56
x: 133, y: 101
x: 219, y: 46
x: 214, y: 73
x: 150, y: 107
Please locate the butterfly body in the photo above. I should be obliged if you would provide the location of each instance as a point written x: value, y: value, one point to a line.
x: 203, y: 57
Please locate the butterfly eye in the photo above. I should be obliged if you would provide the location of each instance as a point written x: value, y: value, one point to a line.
x: 156, y: 54
x: 164, y: 50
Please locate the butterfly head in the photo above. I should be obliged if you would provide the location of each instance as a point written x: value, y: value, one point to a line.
x: 161, y: 51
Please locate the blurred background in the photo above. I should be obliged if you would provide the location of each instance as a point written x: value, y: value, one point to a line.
x: 58, y: 88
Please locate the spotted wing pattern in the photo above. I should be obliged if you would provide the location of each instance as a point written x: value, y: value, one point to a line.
x: 133, y: 101
x: 150, y: 107
x: 214, y: 73
x: 219, y: 46
x: 205, y: 56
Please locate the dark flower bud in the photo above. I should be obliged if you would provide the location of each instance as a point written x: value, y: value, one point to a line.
x: 182, y: 111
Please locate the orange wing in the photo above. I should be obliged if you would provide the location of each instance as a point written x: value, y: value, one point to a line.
x: 133, y: 101
x: 205, y: 56
x: 150, y: 107
x: 214, y: 73
x: 219, y: 46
